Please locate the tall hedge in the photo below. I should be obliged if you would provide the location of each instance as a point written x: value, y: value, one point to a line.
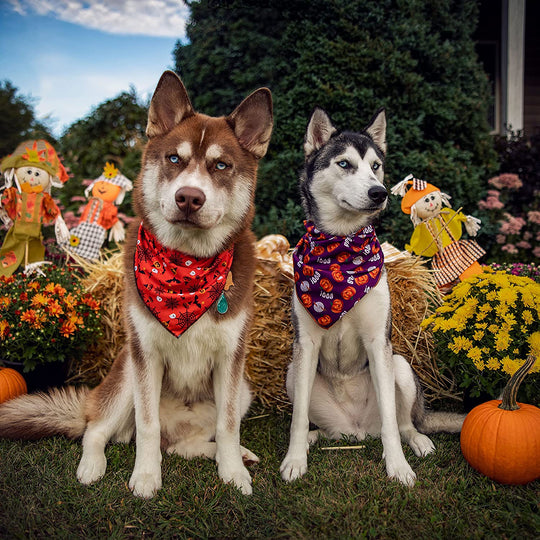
x: 414, y: 57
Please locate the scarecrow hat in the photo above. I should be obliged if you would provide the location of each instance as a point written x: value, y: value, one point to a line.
x: 419, y: 189
x: 112, y: 175
x: 36, y: 153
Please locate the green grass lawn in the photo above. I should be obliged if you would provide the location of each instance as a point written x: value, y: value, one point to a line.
x: 345, y: 494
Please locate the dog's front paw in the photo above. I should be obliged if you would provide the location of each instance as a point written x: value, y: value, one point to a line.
x: 293, y: 467
x: 401, y: 472
x: 238, y: 476
x: 421, y: 445
x: 91, y: 469
x: 145, y: 484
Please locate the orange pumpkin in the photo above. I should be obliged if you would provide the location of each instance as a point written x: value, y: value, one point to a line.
x: 349, y: 292
x: 501, y: 439
x: 362, y: 279
x: 326, y: 285
x: 12, y: 384
x: 325, y: 320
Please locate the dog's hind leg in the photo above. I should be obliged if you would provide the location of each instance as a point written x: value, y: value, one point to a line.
x: 190, y: 431
x: 335, y: 420
x: 408, y: 398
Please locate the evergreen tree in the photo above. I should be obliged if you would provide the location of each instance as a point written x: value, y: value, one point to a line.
x: 113, y: 132
x: 414, y: 57
x: 18, y: 121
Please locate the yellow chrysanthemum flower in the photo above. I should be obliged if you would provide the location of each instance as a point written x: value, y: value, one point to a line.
x: 510, y: 366
x: 508, y: 296
x: 502, y: 341
x: 474, y: 354
x: 478, y: 335
x: 493, y: 328
x: 460, y: 343
x: 534, y: 343
x: 493, y: 363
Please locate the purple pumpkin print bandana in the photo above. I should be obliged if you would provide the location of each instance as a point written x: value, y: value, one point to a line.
x: 332, y: 273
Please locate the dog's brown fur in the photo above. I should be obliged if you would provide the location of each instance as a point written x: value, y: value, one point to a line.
x: 178, y: 393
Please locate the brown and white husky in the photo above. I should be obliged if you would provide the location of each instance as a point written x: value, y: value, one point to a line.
x: 178, y: 384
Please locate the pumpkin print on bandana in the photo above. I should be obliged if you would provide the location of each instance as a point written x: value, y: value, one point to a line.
x: 332, y: 273
x: 178, y: 288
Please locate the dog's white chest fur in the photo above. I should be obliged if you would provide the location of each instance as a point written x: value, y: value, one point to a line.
x: 343, y: 345
x: 190, y: 358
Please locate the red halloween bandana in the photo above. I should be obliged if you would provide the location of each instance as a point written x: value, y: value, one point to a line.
x: 178, y: 288
x: 332, y: 273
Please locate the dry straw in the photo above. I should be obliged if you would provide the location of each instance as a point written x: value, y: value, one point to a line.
x: 412, y: 288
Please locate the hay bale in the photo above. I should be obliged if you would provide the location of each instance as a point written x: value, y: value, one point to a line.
x: 104, y: 280
x: 269, y: 348
x: 414, y: 295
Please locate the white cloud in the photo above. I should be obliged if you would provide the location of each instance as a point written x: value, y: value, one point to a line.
x: 160, y: 18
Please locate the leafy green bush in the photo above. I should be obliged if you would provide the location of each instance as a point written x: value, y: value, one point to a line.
x: 415, y: 58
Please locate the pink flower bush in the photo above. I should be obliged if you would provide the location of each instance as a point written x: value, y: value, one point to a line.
x: 512, y: 225
x: 534, y: 217
x: 492, y: 201
x: 506, y: 180
x: 515, y: 218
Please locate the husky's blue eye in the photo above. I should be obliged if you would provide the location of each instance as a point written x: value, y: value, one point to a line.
x: 174, y: 158
x: 344, y: 164
x: 220, y: 166
x: 375, y: 166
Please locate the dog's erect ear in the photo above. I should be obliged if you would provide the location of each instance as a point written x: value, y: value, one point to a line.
x: 252, y: 122
x: 377, y: 129
x: 169, y: 106
x: 318, y: 132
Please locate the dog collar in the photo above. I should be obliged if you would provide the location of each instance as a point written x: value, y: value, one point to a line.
x: 332, y: 273
x: 178, y: 288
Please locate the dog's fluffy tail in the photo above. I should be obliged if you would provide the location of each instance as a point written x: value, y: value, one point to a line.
x: 32, y: 416
x: 434, y: 422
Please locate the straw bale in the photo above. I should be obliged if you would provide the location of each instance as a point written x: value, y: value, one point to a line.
x: 104, y: 280
x: 269, y: 348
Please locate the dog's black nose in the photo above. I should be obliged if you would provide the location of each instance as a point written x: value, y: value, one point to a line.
x: 377, y: 194
x: 189, y: 199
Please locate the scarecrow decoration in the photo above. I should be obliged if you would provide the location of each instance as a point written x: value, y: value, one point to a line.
x: 437, y: 231
x: 26, y: 204
x: 100, y: 214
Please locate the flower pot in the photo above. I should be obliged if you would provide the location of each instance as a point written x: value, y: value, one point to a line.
x: 43, y: 376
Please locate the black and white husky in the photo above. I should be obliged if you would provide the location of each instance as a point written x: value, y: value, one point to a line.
x: 344, y: 377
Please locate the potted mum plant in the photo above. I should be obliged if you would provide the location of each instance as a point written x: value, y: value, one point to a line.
x: 483, y: 332
x: 46, y: 322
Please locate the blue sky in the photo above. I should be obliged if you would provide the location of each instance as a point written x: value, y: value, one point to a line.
x: 72, y: 55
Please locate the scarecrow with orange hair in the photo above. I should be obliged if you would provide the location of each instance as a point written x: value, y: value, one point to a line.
x: 26, y: 204
x: 438, y: 230
x: 100, y: 214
